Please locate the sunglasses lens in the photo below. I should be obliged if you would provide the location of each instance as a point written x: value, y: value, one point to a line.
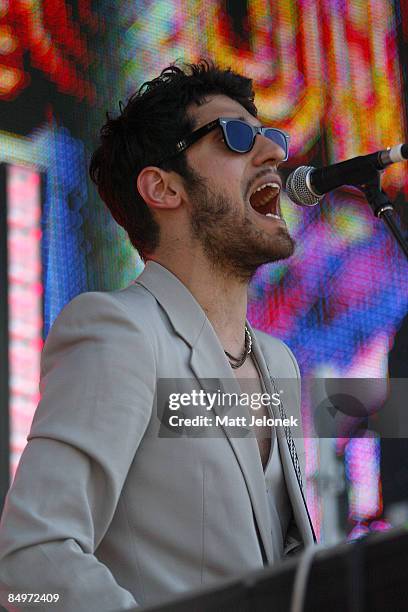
x: 239, y: 136
x: 278, y: 138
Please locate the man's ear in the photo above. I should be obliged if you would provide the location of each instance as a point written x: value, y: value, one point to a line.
x: 158, y: 188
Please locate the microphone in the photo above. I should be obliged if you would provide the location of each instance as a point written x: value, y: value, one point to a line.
x: 307, y: 185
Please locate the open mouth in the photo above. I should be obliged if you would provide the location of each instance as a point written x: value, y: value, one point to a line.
x: 265, y: 200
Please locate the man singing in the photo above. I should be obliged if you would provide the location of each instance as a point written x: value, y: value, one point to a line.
x: 108, y: 508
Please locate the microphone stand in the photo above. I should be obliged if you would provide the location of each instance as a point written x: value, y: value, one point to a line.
x: 383, y: 208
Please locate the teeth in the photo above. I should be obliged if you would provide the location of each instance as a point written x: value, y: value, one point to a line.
x: 273, y: 185
x: 272, y: 215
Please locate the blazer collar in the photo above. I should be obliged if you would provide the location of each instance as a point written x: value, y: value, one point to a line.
x: 183, y: 310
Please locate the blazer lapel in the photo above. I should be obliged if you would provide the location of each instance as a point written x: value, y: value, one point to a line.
x: 294, y: 487
x: 210, y: 366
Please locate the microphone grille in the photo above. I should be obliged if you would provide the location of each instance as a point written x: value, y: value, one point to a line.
x: 297, y: 187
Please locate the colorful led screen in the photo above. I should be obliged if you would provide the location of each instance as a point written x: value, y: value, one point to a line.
x: 329, y: 73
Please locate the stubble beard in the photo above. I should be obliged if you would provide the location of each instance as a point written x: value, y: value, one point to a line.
x: 231, y: 241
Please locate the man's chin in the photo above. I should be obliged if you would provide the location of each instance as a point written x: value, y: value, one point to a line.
x: 282, y: 247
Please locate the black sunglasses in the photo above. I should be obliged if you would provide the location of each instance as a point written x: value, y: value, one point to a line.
x: 239, y: 136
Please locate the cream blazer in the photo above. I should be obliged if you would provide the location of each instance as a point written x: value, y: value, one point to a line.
x: 106, y: 510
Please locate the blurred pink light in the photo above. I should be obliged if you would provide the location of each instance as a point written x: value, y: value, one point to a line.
x: 25, y: 301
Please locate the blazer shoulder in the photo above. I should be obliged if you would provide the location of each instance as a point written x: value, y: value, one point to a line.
x: 133, y: 305
x: 102, y: 319
x: 278, y: 351
x: 122, y: 298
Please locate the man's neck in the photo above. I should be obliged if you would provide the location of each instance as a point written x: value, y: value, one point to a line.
x: 222, y: 297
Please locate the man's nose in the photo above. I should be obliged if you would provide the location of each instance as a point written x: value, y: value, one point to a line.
x: 265, y: 150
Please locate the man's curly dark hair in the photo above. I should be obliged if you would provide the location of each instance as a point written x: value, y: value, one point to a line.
x: 147, y: 129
